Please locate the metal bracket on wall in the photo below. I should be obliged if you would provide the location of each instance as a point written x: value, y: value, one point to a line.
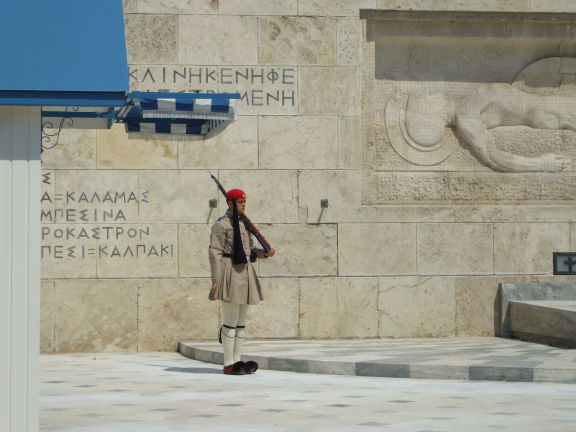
x: 48, y: 137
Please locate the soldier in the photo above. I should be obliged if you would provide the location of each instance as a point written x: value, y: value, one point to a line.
x: 234, y: 280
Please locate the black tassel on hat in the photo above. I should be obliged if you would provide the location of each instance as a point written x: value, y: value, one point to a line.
x: 238, y: 256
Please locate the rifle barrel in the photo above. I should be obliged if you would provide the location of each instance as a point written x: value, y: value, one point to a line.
x: 219, y: 185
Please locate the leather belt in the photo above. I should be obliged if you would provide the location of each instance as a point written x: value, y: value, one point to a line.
x: 252, y: 258
x: 225, y: 255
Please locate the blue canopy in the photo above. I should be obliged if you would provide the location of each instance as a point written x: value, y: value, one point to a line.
x: 62, y: 53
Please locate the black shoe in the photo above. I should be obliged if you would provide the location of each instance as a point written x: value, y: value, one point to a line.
x: 250, y: 367
x: 235, y: 369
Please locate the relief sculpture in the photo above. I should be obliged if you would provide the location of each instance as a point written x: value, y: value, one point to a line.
x: 425, y: 128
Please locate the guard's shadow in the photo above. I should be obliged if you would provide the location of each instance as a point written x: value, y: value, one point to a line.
x: 194, y: 370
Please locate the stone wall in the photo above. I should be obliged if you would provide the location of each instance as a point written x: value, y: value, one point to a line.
x: 403, y: 250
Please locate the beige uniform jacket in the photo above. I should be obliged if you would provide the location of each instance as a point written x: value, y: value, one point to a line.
x: 236, y: 283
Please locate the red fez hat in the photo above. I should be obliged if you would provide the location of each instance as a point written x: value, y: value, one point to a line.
x: 235, y: 194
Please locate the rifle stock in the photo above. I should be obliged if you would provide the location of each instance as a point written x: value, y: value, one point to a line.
x: 251, y: 228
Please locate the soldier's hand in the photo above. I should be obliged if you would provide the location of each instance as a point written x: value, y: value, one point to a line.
x: 270, y: 253
x: 213, y: 291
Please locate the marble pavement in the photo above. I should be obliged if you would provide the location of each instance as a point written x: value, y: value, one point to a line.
x: 166, y: 392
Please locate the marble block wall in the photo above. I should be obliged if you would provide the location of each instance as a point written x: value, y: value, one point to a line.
x: 401, y: 250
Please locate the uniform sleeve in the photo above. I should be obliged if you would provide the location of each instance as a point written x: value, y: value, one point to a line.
x: 215, y: 250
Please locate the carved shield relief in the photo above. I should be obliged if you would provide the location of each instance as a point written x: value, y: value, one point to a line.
x: 469, y: 112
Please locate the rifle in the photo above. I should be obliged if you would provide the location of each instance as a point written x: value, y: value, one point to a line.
x: 250, y: 227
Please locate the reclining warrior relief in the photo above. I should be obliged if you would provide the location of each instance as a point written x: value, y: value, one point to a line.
x: 472, y: 116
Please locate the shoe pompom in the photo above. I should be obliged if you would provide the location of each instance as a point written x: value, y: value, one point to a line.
x: 250, y: 367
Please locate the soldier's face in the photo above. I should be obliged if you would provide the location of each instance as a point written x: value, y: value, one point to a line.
x: 241, y: 205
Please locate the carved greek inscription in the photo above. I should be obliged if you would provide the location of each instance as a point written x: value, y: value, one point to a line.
x: 266, y: 87
x: 130, y: 251
x: 72, y: 226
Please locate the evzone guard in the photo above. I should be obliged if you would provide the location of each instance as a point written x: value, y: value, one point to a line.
x: 234, y: 280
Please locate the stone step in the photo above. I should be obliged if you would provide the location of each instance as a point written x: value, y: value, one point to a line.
x: 552, y: 322
x: 470, y: 358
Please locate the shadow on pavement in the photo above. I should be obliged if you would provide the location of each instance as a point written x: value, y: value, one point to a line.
x: 194, y: 370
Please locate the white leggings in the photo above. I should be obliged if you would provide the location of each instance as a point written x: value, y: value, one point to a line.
x: 233, y: 331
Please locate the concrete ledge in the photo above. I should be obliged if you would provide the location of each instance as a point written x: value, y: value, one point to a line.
x: 528, y: 292
x: 468, y: 16
x: 551, y: 322
x: 473, y: 359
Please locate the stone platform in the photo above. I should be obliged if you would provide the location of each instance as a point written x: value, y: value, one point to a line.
x: 474, y: 359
